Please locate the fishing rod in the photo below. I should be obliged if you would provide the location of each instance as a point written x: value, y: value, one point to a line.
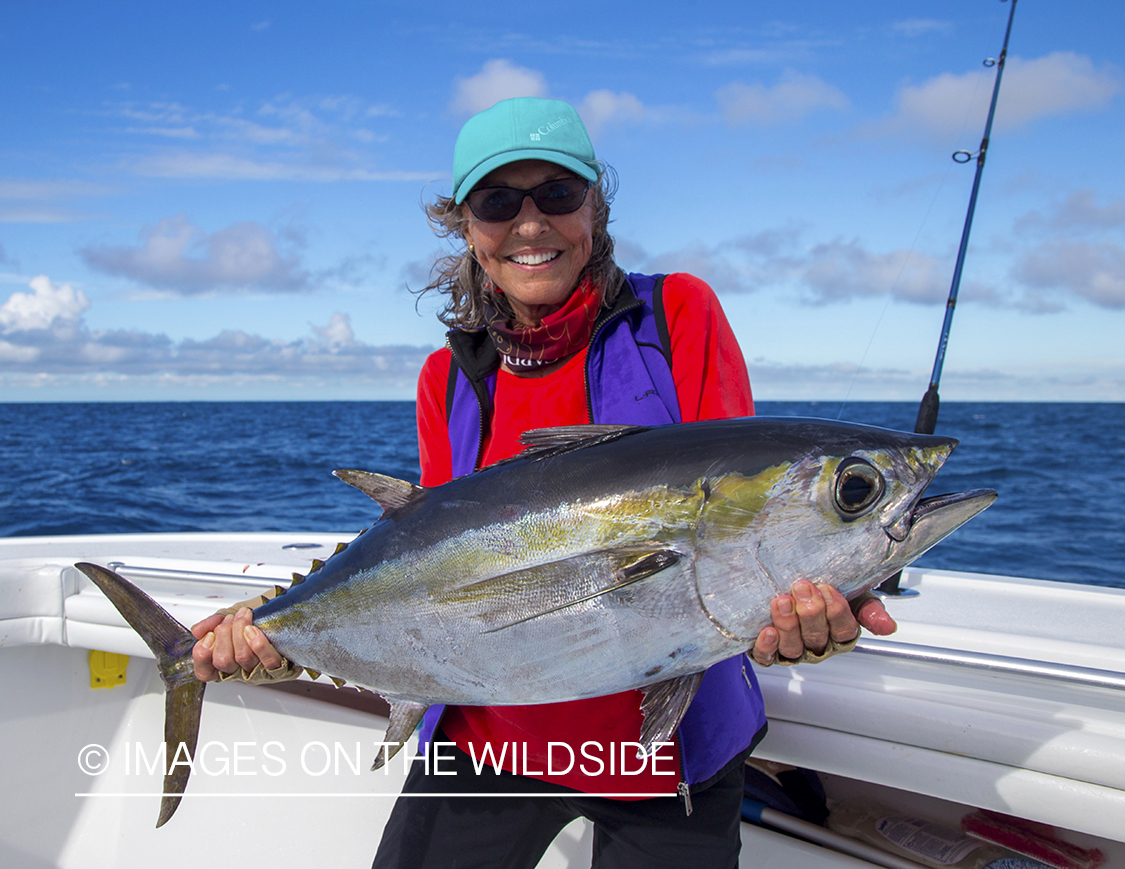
x: 928, y: 409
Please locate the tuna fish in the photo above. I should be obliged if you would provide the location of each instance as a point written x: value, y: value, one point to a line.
x: 603, y: 559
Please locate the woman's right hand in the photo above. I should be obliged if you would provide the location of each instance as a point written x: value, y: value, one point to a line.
x: 228, y: 643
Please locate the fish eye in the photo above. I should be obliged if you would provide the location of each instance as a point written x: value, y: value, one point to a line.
x: 858, y: 486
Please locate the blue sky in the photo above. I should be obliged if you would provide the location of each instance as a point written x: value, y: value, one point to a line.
x: 223, y: 201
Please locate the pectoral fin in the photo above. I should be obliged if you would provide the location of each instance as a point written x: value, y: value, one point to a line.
x: 405, y: 716
x: 588, y: 576
x: 664, y: 706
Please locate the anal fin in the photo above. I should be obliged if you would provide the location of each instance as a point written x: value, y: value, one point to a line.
x: 664, y: 706
x: 405, y: 715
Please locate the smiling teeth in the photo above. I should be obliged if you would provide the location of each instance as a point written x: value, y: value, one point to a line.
x: 534, y: 259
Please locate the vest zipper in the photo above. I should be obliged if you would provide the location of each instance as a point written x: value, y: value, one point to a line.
x: 684, y: 790
x: 636, y: 303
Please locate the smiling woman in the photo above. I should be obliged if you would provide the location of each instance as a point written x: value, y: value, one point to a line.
x: 548, y: 331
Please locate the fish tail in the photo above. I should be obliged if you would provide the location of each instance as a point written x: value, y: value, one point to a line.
x: 171, y: 643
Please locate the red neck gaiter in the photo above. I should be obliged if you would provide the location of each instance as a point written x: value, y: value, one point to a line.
x: 560, y: 335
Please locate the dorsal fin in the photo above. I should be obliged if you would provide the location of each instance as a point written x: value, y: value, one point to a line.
x: 542, y: 443
x: 388, y: 492
x: 576, y: 436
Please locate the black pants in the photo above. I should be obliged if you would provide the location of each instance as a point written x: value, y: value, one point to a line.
x: 513, y: 832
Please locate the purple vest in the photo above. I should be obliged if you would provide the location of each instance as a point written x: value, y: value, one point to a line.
x: 628, y: 381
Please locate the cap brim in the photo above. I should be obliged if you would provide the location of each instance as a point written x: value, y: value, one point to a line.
x: 583, y: 170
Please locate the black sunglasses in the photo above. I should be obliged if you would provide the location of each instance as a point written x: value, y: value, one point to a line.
x: 560, y: 196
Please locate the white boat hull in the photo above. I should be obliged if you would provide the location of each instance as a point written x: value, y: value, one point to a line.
x: 997, y: 693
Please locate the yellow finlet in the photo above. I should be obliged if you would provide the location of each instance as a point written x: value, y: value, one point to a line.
x: 107, y: 669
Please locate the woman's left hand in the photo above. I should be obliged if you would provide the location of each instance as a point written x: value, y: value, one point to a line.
x: 812, y: 614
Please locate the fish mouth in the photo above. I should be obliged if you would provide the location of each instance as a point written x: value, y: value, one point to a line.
x: 936, y: 517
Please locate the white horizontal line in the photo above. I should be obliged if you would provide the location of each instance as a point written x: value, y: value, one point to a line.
x: 257, y: 795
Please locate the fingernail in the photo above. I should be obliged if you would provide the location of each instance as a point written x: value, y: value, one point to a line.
x: 250, y: 633
x: 785, y: 606
x: 209, y: 640
x: 803, y: 590
x: 244, y: 612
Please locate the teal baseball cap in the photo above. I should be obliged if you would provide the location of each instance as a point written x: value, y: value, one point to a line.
x: 524, y: 128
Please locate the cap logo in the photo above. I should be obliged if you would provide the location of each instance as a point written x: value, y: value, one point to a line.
x: 544, y: 129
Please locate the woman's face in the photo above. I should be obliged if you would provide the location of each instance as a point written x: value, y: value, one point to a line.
x: 534, y: 258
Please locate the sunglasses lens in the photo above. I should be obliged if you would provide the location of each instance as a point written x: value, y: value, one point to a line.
x: 496, y: 203
x: 562, y: 196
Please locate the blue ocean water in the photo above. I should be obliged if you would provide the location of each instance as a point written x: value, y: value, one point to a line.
x: 199, y: 466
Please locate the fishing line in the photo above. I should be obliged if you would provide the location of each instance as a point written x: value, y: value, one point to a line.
x: 970, y: 103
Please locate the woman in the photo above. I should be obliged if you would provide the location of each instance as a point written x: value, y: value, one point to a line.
x: 548, y: 331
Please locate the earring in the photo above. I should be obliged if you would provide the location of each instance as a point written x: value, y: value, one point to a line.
x: 471, y: 248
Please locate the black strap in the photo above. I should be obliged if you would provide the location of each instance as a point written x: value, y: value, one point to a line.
x: 662, y: 320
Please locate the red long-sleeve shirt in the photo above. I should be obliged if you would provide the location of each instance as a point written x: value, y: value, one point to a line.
x: 711, y: 383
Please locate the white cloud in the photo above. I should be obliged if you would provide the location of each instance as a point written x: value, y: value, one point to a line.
x: 792, y: 98
x: 1079, y: 214
x: 38, y: 189
x: 43, y: 335
x: 1094, y: 271
x: 286, y: 138
x: 827, y: 272
x: 34, y: 195
x: 187, y: 164
x: 838, y: 270
x: 40, y: 214
x: 1059, y: 83
x: 47, y: 305
x: 337, y: 334
x: 497, y: 80
x: 913, y: 27
x: 178, y: 256
x: 1080, y: 210
x: 500, y: 79
x: 602, y: 107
